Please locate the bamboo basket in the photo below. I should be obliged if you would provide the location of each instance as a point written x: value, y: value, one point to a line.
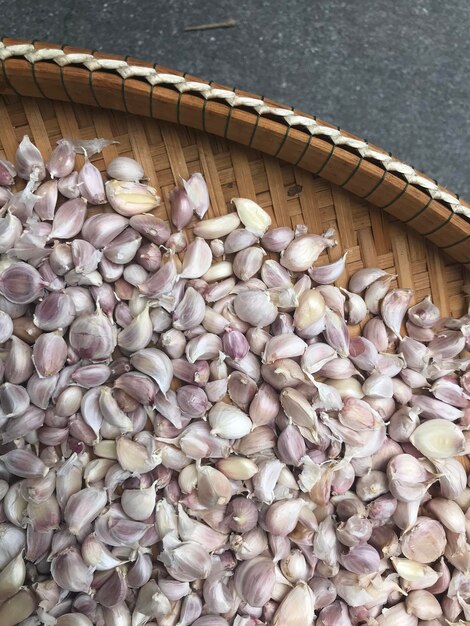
x: 298, y: 168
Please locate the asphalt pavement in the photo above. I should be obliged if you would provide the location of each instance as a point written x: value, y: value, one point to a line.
x: 394, y: 72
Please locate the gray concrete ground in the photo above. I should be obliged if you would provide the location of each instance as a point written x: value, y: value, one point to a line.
x: 395, y: 72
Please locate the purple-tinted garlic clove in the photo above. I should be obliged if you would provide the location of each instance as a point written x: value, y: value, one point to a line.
x: 198, y: 193
x: 29, y: 160
x: 91, y: 184
x: 49, y: 354
x: 303, y: 251
x: 182, y: 208
x: 327, y: 274
x: 46, y: 205
x: 21, y: 283
x: 101, y: 229
x: 68, y: 185
x: 85, y: 257
x: 277, y: 239
x: 68, y: 219
x: 7, y: 173
x: 124, y: 168
x: 92, y: 336
x: 394, y: 307
x: 62, y: 159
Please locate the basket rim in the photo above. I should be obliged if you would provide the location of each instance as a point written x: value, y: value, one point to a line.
x: 111, y: 81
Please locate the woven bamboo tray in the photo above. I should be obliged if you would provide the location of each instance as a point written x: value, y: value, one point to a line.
x: 300, y: 169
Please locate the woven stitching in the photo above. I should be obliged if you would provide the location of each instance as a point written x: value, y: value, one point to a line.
x: 205, y: 90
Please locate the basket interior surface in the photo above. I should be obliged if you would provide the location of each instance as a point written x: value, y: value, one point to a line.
x: 290, y: 194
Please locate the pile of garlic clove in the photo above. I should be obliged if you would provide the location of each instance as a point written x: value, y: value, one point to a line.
x: 190, y: 433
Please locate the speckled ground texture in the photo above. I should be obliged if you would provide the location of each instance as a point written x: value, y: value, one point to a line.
x: 393, y: 72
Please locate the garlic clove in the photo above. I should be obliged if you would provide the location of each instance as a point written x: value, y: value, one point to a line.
x: 123, y: 248
x: 49, y: 354
x: 192, y: 530
x: 190, y: 311
x: 138, y: 504
x: 304, y: 250
x: 197, y: 259
x: 283, y: 347
x: 92, y: 336
x: 140, y: 572
x: 217, y: 227
x: 18, y: 365
x: 24, y: 463
x: 423, y: 605
x: 425, y: 314
x: 124, y: 168
x: 151, y: 227
x: 137, y: 334
x: 186, y: 562
x: 21, y: 283
x: 191, y: 609
x: 12, y: 577
x: 218, y: 271
x: 376, y: 292
x: 254, y: 580
x: 327, y: 274
x: 394, y: 307
x: 397, y: 614
x: 131, y: 198
x: 247, y: 262
x: 228, y: 421
x: 254, y: 218
x: 237, y: 467
x: 439, y: 439
x: 337, y: 333
x: 310, y: 310
x: 198, y: 193
x: 282, y: 516
x: 18, y: 608
x: 296, y: 608
x: 83, y: 507
x: 45, y: 206
x: 68, y: 185
x: 70, y: 571
x: 355, y: 307
x: 101, y: 229
x: 425, y: 541
x: 239, y: 239
x: 68, y: 219
x: 155, y: 364
x: 114, y: 590
x: 62, y: 159
x: 7, y: 173
x: 29, y: 160
x: 333, y: 296
x: 255, y: 308
x: 361, y: 279
x: 136, y: 457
